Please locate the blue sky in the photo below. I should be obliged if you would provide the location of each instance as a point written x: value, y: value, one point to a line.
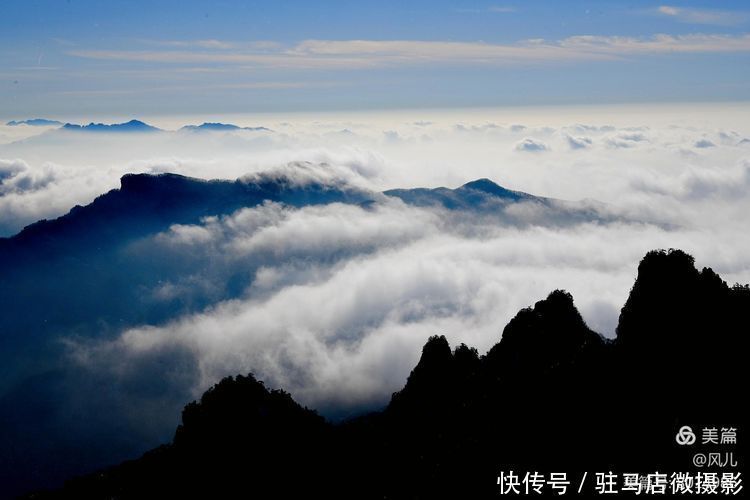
x: 147, y: 58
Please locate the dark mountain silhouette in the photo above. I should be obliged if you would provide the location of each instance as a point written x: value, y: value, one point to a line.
x: 484, y: 197
x: 478, y: 193
x: 551, y: 396
x: 221, y: 127
x: 131, y: 126
x: 34, y: 122
x: 147, y: 203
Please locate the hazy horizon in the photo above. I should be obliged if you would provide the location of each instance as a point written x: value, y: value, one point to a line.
x: 98, y: 59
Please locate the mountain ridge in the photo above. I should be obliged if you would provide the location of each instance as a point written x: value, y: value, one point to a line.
x: 132, y: 125
x: 481, y: 194
x: 461, y: 418
x: 218, y: 126
x: 34, y: 122
x: 129, y: 126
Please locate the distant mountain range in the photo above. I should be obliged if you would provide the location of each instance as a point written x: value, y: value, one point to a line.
x: 147, y: 203
x: 551, y: 396
x: 35, y: 122
x: 133, y: 126
x: 469, y: 196
x: 219, y: 127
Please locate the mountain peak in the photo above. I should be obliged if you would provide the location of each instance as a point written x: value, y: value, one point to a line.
x: 487, y: 186
x: 436, y: 351
x: 428, y: 382
x: 130, y: 126
x: 478, y: 194
x: 459, y: 416
x: 218, y: 126
x: 212, y: 126
x: 482, y: 184
x: 665, y: 296
x: 545, y: 335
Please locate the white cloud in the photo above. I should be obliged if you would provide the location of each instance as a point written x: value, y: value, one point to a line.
x: 334, y: 302
x: 578, y: 142
x: 11, y: 168
x: 625, y: 139
x: 531, y: 145
x: 363, y: 54
x: 693, y: 15
x: 16, y: 177
x: 670, y: 11
x: 704, y: 143
x: 621, y: 149
x: 201, y: 44
x: 345, y: 332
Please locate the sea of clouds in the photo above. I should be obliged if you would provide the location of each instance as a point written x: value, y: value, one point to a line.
x: 337, y: 300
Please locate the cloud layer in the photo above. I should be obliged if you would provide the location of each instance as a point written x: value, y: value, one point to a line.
x: 713, y: 17
x: 364, y: 54
x: 334, y: 302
